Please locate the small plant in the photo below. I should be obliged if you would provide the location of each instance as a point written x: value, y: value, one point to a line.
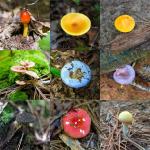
x: 44, y: 43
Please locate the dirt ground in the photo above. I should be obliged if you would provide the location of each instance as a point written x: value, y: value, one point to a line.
x: 109, y: 11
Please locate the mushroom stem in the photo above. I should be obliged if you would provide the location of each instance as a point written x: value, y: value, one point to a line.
x: 121, y: 86
x: 125, y: 129
x: 25, y: 30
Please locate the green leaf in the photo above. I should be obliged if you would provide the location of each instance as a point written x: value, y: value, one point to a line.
x: 44, y: 43
x: 77, y: 1
x: 55, y: 71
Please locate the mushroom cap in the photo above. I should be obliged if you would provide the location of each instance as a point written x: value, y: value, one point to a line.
x: 82, y: 71
x: 124, y: 75
x: 125, y: 117
x: 27, y: 64
x: 124, y: 23
x: 19, y: 69
x: 25, y: 16
x: 32, y: 74
x: 75, y: 24
x: 76, y: 123
x: 20, y: 82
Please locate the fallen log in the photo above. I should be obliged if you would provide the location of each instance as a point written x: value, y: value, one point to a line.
x: 109, y: 62
x: 125, y: 49
x: 126, y: 41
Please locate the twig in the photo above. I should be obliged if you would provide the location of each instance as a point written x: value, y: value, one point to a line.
x: 134, y: 143
x: 30, y: 4
x: 20, y: 141
x: 147, y: 89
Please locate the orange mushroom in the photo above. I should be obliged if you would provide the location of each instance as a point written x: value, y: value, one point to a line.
x: 25, y: 19
x: 124, y: 23
x: 75, y: 24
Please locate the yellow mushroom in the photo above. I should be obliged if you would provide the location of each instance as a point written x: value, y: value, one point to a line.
x: 75, y: 24
x: 126, y: 118
x: 124, y: 23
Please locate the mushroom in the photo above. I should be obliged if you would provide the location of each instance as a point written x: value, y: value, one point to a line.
x: 124, y: 23
x: 126, y: 118
x: 76, y: 74
x: 21, y: 82
x: 124, y: 75
x: 25, y: 19
x: 32, y: 74
x: 27, y: 64
x: 76, y: 123
x: 75, y: 24
x: 19, y: 69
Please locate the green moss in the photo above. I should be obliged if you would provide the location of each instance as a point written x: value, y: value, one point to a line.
x: 7, y: 60
x: 6, y: 115
x: 18, y: 95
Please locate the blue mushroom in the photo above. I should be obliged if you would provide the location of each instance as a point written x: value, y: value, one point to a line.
x: 76, y: 74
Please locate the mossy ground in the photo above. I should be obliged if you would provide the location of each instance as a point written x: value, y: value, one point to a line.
x: 9, y: 59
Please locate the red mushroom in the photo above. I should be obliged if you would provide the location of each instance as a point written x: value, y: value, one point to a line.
x: 25, y: 19
x: 76, y: 123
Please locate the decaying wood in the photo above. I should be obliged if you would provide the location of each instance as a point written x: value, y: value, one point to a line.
x: 130, y: 40
x: 109, y: 62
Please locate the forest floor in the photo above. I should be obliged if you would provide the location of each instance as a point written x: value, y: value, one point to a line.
x: 11, y: 28
x: 65, y: 48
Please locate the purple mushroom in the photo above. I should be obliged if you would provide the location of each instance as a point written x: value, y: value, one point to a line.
x: 124, y: 75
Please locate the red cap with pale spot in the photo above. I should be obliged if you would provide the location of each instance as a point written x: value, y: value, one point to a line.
x: 76, y: 123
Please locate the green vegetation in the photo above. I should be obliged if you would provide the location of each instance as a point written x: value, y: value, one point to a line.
x: 18, y: 95
x: 55, y: 71
x: 44, y: 43
x: 8, y: 59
